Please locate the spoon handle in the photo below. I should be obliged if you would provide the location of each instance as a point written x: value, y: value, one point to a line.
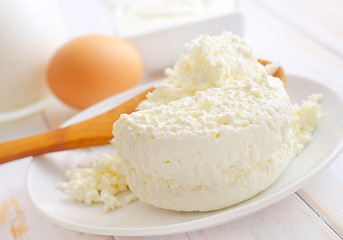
x: 92, y: 132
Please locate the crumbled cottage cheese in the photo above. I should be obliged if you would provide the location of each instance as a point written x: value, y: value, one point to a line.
x: 97, y: 183
x: 219, y: 130
x: 304, y: 120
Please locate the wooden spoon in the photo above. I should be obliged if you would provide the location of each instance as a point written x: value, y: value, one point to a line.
x: 93, y: 132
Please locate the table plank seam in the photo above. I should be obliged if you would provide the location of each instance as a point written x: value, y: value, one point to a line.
x: 316, y: 209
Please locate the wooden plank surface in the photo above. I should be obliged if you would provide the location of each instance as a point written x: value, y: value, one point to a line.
x: 289, y: 32
x: 325, y: 196
x: 287, y: 219
x: 320, y: 20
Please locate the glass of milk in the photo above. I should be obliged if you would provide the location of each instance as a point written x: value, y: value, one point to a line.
x: 30, y: 33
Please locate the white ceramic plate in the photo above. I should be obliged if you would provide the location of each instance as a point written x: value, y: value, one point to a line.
x: 140, y: 219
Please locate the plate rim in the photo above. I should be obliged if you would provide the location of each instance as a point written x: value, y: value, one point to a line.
x: 192, y: 225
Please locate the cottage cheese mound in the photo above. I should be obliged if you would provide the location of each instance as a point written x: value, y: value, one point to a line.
x: 219, y: 130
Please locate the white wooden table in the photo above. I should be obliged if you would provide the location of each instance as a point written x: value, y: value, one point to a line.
x: 306, y: 37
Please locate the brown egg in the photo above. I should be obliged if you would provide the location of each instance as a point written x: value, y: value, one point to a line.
x: 91, y: 68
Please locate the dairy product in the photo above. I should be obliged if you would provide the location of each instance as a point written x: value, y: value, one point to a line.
x: 304, y: 120
x: 217, y: 131
x: 98, y: 182
x: 32, y: 31
x: 142, y: 16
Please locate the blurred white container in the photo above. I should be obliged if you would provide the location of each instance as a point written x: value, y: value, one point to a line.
x: 160, y: 49
x: 160, y: 43
x: 30, y: 33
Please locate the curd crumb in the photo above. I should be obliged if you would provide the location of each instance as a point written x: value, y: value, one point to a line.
x: 98, y: 182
